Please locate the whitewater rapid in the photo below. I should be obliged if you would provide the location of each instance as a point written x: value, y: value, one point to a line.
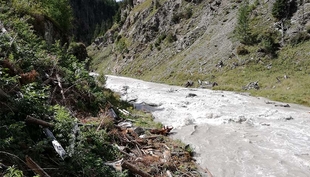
x: 233, y: 134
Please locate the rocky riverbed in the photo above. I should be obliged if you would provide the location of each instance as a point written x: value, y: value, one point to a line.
x: 233, y: 134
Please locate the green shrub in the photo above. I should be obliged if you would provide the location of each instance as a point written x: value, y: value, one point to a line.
x: 121, y: 45
x: 159, y: 40
x: 241, y: 50
x: 13, y: 172
x: 299, y: 38
x: 308, y: 29
x: 283, y: 9
x: 176, y: 18
x: 188, y: 13
x: 171, y: 38
x: 26, y: 6
x: 268, y: 42
x: 60, y: 11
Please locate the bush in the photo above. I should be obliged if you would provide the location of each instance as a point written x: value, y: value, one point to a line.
x: 241, y: 50
x: 61, y: 12
x: 283, y: 9
x: 268, y: 42
x: 308, y: 29
x: 188, y: 13
x: 176, y: 18
x: 159, y: 40
x: 58, y: 10
x: 299, y: 38
x: 121, y: 45
x: 171, y: 38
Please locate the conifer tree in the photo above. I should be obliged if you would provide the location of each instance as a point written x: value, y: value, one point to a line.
x: 242, y: 30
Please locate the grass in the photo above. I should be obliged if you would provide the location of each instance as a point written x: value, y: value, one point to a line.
x: 98, y: 56
x: 291, y: 61
x: 146, y: 4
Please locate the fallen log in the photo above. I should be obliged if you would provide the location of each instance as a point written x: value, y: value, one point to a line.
x: 43, y: 123
x: 134, y: 170
x: 35, y: 167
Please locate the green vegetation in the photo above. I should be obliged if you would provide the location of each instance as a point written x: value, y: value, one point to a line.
x: 242, y: 30
x: 265, y: 54
x: 284, y: 9
x: 185, y: 14
x: 58, y: 10
x: 49, y: 84
x: 121, y: 45
x: 241, y: 50
x: 268, y: 42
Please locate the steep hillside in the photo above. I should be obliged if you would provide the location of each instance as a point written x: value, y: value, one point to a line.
x: 56, y: 119
x: 92, y: 17
x: 212, y: 43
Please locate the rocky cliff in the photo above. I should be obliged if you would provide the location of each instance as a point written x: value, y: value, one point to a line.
x: 173, y: 41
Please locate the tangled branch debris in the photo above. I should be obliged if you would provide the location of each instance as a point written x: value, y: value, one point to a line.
x: 149, y: 152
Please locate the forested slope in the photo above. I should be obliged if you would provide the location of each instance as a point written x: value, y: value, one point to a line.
x: 56, y: 118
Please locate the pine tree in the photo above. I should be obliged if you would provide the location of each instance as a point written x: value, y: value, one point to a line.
x: 243, y: 30
x: 280, y: 9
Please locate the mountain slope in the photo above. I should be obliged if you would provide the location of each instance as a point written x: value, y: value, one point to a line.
x: 176, y: 41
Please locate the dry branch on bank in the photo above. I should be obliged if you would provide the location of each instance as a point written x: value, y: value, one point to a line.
x: 35, y: 167
x: 149, y: 152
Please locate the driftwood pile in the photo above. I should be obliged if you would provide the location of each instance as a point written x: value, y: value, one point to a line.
x: 148, y: 152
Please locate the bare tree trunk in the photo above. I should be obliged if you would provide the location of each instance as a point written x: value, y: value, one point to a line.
x: 134, y: 169
x: 38, y: 122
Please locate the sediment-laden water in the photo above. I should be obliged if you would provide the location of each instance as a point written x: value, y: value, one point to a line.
x: 233, y: 134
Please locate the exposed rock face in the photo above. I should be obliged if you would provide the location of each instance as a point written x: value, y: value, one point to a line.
x: 169, y: 29
x: 176, y: 37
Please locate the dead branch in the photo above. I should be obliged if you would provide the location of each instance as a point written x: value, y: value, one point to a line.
x: 35, y: 167
x: 164, y: 131
x: 3, y: 95
x: 33, y: 120
x: 206, y: 170
x: 134, y: 170
x: 139, y: 151
x: 100, y: 125
x: 152, y: 137
x: 60, y: 86
x: 7, y: 153
x: 117, y: 165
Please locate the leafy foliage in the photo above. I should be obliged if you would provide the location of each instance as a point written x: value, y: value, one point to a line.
x: 47, y: 83
x: 58, y: 10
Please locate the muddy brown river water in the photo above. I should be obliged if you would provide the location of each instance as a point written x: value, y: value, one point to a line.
x: 233, y: 134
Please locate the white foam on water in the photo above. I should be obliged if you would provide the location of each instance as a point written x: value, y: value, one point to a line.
x: 233, y: 134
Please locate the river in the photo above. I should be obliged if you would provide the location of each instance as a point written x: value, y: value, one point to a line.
x: 233, y: 134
